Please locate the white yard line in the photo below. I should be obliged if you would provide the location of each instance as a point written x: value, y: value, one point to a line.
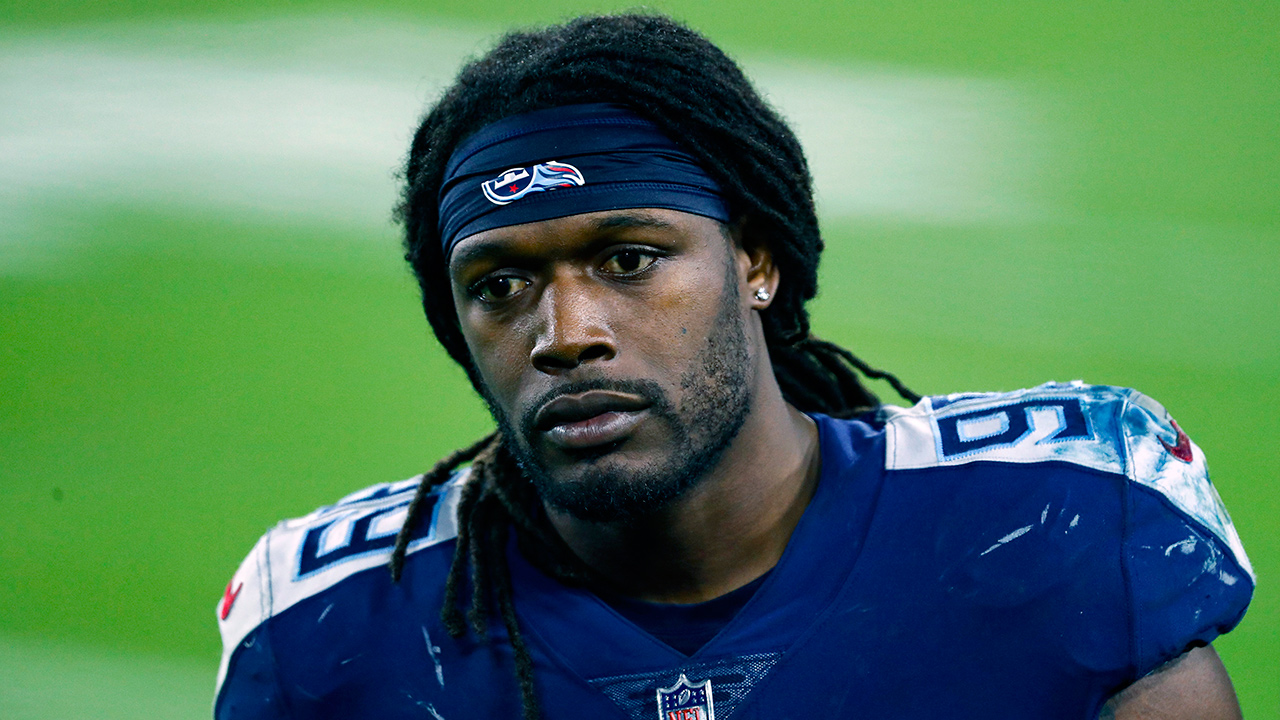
x: 309, y: 119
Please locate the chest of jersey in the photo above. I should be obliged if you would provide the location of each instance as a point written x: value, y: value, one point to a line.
x: 927, y: 596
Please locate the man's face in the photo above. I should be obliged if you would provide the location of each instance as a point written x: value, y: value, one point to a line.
x: 612, y: 350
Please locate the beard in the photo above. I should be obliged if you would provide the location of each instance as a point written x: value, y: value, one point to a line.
x: 715, y: 401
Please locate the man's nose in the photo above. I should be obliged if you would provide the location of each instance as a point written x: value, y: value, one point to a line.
x: 573, y: 328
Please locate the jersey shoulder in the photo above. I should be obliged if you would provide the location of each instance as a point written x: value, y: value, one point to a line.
x: 1107, y: 429
x: 304, y: 556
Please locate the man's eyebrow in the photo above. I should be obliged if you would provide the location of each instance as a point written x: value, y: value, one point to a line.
x: 630, y: 220
x: 476, y: 251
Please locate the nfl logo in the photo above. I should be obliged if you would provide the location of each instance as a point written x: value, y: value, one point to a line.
x: 686, y: 701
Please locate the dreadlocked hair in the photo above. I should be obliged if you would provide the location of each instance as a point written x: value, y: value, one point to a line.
x: 690, y: 89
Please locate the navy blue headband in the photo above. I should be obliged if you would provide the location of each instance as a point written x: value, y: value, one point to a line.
x: 565, y: 161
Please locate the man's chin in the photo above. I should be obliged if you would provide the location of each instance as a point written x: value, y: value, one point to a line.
x: 606, y: 489
x: 596, y: 507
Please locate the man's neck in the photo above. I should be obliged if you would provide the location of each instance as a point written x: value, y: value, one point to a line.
x: 731, y: 528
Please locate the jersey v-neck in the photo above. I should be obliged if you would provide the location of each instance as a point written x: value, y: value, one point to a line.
x: 593, y: 640
x: 685, y: 627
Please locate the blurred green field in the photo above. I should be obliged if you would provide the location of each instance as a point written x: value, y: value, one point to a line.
x: 177, y: 373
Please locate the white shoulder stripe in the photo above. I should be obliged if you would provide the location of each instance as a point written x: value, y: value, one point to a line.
x: 1073, y: 423
x: 302, y: 557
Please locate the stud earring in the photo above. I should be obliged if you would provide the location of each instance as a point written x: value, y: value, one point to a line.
x: 762, y: 295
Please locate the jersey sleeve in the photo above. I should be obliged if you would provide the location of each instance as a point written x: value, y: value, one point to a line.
x: 247, y: 686
x: 1189, y: 578
x: 295, y: 561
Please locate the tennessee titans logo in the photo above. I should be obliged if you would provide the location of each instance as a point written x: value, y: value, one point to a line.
x: 686, y: 701
x: 518, y: 182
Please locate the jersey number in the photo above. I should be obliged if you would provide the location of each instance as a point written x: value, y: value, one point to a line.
x: 1042, y: 420
x: 350, y: 536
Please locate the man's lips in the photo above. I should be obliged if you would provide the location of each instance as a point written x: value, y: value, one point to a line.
x: 596, y: 417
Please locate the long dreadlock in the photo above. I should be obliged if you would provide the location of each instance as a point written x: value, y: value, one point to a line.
x: 676, y: 78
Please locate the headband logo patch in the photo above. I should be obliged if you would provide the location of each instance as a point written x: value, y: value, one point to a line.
x: 518, y: 182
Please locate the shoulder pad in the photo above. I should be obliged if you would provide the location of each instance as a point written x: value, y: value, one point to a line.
x: 1164, y: 459
x: 1108, y: 429
x: 301, y: 557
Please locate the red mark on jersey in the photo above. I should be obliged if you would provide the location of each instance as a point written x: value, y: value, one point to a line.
x: 229, y: 598
x: 1182, y: 450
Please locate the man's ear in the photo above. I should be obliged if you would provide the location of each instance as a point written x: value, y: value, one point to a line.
x: 755, y: 263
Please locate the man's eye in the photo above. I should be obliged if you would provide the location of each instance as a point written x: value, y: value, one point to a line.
x: 628, y: 261
x: 499, y: 288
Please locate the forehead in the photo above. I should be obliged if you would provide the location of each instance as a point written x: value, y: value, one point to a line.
x: 576, y: 233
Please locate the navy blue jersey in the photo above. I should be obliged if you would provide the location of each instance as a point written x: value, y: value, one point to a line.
x: 985, y: 556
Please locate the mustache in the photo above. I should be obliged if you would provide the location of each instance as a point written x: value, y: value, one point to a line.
x: 651, y: 391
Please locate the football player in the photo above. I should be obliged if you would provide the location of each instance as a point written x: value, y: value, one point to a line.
x: 691, y: 506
